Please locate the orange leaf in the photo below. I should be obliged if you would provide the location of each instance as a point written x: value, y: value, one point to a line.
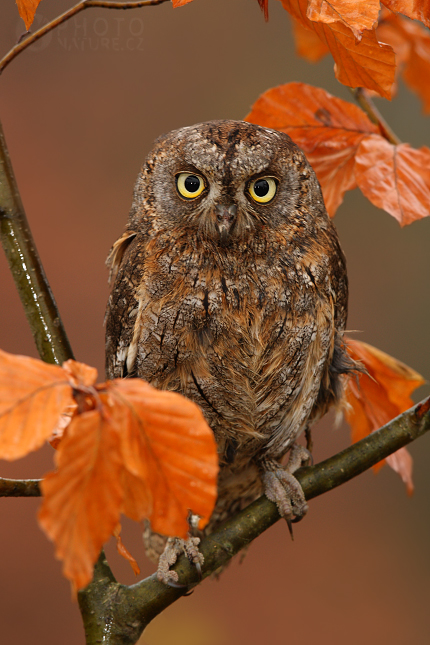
x: 417, y: 65
x: 395, y: 178
x: 27, y: 11
x: 33, y: 395
x: 415, y: 9
x: 180, y: 3
x: 143, y: 452
x: 401, y: 462
x: 382, y: 394
x: 264, y: 6
x: 308, y: 44
x: 80, y: 374
x: 366, y: 63
x: 82, y: 499
x: 328, y: 129
x: 63, y: 422
x: 168, y: 444
x: 388, y: 31
x: 411, y: 43
x: 124, y: 552
x: 358, y: 15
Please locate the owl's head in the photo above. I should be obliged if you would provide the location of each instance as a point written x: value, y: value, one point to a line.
x: 226, y: 181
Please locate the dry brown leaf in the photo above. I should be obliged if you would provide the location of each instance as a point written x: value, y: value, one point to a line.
x: 308, y: 44
x: 174, y: 450
x: 415, y: 9
x: 33, y: 395
x: 358, y: 15
x: 367, y: 63
x: 27, y: 11
x: 141, y: 451
x: 381, y: 395
x: 328, y: 129
x: 125, y: 553
x: 395, y: 178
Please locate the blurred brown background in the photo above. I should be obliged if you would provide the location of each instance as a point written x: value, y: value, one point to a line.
x: 80, y: 111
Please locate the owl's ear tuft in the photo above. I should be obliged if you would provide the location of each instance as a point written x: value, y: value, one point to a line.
x: 116, y: 254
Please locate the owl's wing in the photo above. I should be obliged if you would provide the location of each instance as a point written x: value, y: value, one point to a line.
x: 116, y: 254
x: 305, y: 356
x: 126, y: 267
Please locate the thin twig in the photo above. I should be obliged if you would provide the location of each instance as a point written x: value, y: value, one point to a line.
x: 27, y: 270
x: 20, y: 487
x: 116, y: 614
x: 85, y: 4
x: 363, y: 99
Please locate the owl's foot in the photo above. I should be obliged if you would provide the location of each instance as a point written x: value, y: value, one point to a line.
x: 175, y: 547
x: 282, y: 488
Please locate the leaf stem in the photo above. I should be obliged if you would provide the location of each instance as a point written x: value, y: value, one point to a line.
x: 85, y: 4
x: 27, y: 270
x: 363, y: 99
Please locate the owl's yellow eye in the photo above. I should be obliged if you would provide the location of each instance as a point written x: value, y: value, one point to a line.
x: 189, y: 186
x: 263, y: 190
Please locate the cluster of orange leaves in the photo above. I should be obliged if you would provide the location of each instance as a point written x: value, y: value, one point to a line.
x: 346, y: 149
x: 367, y: 44
x: 378, y: 396
x: 125, y: 448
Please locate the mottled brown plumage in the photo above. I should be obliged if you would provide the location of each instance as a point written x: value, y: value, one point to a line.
x: 238, y: 305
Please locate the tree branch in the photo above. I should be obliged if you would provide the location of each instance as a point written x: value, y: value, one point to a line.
x: 126, y: 611
x: 27, y: 270
x: 20, y: 487
x: 73, y: 11
x: 363, y: 99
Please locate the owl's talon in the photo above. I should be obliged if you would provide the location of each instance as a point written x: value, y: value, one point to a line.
x: 175, y: 547
x: 199, y: 570
x: 290, y: 527
x: 174, y: 585
x: 282, y: 488
x: 298, y: 457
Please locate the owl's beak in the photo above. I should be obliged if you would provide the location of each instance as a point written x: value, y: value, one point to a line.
x: 226, y: 217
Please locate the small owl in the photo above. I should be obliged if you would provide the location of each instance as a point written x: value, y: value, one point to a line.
x: 230, y: 287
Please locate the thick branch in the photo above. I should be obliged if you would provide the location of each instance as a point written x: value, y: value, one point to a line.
x: 363, y: 99
x: 27, y: 270
x: 130, y: 609
x: 85, y: 4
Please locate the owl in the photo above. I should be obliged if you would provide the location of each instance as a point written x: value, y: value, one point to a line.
x: 230, y: 287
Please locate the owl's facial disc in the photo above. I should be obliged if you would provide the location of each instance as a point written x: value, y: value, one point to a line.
x: 225, y: 220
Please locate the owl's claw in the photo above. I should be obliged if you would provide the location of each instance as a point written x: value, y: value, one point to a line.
x: 174, y: 585
x: 199, y: 569
x: 175, y: 547
x: 282, y: 488
x: 290, y: 527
